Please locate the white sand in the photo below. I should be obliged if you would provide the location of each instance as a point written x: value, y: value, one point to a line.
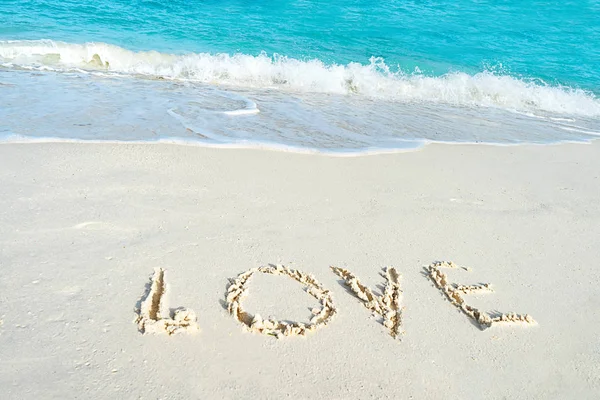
x: 82, y: 228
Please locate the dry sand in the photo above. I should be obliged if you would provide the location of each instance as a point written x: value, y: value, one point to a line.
x: 83, y: 226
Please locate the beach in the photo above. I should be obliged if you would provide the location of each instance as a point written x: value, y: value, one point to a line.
x: 83, y: 226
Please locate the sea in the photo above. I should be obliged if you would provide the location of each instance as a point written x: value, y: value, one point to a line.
x: 341, y: 77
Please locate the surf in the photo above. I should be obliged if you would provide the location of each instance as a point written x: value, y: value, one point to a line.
x: 373, y: 79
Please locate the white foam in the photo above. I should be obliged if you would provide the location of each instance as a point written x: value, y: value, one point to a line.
x: 580, y: 130
x: 404, y: 146
x: 372, y: 80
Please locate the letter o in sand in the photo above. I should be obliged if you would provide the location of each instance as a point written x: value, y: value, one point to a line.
x: 239, y: 287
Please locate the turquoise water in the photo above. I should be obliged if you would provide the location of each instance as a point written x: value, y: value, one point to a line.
x: 333, y: 75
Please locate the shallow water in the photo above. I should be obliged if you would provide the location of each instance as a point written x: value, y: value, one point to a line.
x: 332, y: 76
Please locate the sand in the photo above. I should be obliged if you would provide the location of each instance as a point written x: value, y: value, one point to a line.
x: 84, y: 226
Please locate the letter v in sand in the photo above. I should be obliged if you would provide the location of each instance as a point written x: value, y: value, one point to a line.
x: 389, y: 306
x: 153, y: 314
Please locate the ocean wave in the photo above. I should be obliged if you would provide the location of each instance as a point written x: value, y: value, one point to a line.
x: 375, y: 79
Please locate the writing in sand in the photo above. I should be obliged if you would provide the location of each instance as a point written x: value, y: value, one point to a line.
x: 154, y: 316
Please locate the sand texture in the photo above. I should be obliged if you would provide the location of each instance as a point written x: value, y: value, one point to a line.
x: 246, y: 238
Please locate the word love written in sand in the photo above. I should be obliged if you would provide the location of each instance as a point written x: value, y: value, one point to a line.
x: 153, y: 315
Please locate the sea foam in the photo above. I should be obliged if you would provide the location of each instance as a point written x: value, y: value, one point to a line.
x: 374, y: 79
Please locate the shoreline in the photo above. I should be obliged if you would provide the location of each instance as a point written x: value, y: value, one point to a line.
x: 274, y: 147
x: 82, y: 227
